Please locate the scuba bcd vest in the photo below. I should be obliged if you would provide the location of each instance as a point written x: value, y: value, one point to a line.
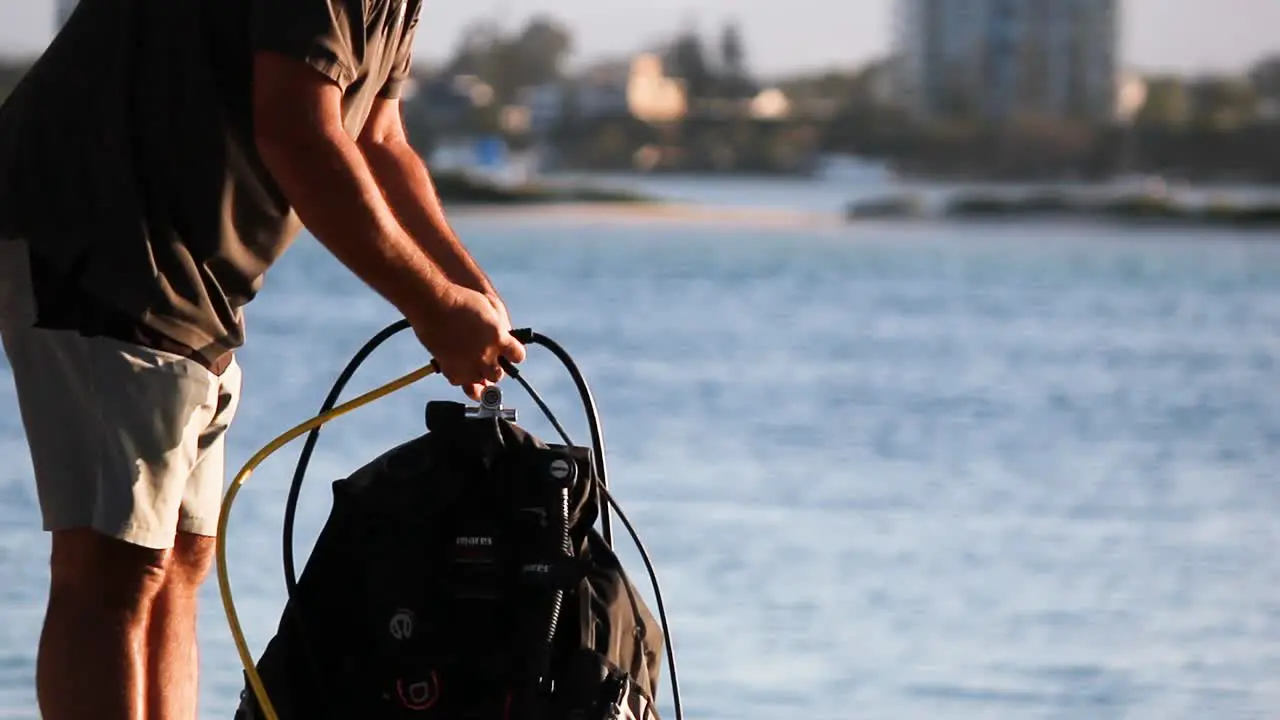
x: 459, y: 577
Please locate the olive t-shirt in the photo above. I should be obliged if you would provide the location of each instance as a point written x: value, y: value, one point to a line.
x: 127, y: 161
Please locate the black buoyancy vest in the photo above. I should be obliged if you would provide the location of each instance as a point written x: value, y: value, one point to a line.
x: 459, y: 576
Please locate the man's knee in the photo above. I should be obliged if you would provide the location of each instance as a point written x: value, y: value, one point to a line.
x: 88, y: 565
x: 191, y: 561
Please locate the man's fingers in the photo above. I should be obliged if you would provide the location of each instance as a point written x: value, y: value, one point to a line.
x: 473, y: 380
x: 493, y: 373
x: 447, y: 373
x: 472, y: 377
x: 511, y: 349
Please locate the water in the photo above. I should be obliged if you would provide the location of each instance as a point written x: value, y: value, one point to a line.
x: 884, y: 471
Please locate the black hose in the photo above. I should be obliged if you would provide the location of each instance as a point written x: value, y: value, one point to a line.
x: 304, y: 459
x: 526, y: 336
x: 295, y: 489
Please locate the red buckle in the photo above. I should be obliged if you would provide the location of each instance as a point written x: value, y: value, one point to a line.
x: 420, y: 695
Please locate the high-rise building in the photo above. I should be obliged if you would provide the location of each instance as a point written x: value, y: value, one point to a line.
x: 62, y: 10
x: 998, y: 59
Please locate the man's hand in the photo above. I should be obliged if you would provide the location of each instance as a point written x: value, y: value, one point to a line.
x: 498, y: 305
x: 466, y: 339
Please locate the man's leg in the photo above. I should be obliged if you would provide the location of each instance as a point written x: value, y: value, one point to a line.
x: 114, y: 435
x: 93, y: 648
x: 173, y: 660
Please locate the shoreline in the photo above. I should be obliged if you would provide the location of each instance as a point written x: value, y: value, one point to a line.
x: 661, y: 211
x: 579, y: 200
x: 1120, y: 208
x: 783, y: 218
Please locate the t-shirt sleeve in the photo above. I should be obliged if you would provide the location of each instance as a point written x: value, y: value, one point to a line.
x: 317, y: 32
x: 403, y: 66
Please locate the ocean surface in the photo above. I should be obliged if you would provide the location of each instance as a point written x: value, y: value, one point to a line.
x: 884, y: 470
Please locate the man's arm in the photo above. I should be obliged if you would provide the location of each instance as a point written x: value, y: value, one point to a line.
x: 412, y: 196
x: 299, y: 134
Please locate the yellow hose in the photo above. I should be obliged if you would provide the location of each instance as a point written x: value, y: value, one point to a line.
x: 224, y: 583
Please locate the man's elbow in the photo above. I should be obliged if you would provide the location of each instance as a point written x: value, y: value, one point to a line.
x: 379, y: 151
x: 384, y: 130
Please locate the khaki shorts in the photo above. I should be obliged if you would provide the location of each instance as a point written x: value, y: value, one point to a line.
x: 125, y: 440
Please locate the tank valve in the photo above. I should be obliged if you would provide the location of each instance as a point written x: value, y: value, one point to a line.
x: 491, y: 406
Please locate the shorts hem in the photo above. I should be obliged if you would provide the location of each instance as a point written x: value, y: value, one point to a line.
x: 150, y: 538
x: 199, y: 526
x: 147, y: 537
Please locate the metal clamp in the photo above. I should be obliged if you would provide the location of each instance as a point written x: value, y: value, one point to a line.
x: 491, y: 406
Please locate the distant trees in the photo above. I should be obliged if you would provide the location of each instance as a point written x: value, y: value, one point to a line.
x: 1222, y: 103
x: 1265, y: 77
x: 1168, y: 103
x: 708, y: 74
x: 688, y: 61
x: 1210, y: 103
x: 508, y: 63
x: 1214, y: 102
x: 538, y: 52
x: 735, y: 78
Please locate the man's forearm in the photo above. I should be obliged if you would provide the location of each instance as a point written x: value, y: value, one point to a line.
x: 330, y: 185
x: 412, y: 196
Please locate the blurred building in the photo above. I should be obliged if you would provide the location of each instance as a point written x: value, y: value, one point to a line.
x: 652, y: 95
x: 1000, y: 59
x: 61, y: 11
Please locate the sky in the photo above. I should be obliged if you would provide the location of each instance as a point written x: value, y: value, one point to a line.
x: 781, y: 36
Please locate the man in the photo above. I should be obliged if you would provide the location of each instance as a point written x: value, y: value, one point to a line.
x: 155, y: 161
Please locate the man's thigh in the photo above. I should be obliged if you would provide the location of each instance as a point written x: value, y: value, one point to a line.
x: 122, y: 437
x: 202, y: 500
x: 114, y: 431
